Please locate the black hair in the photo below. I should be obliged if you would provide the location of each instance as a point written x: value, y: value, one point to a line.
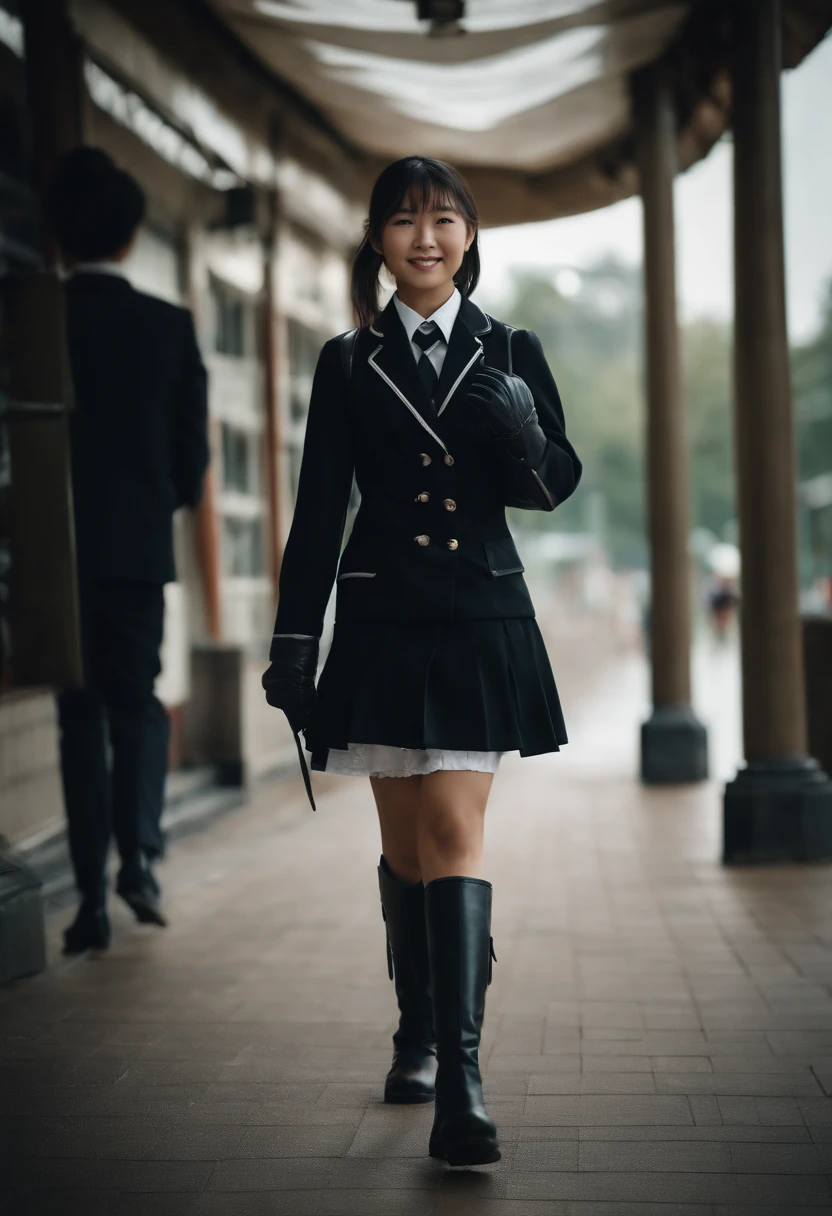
x: 428, y: 183
x: 93, y: 207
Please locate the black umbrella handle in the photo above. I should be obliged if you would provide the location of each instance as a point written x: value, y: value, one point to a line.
x: 304, y: 770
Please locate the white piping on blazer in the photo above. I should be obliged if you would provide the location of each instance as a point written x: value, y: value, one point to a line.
x: 459, y: 378
x: 402, y: 397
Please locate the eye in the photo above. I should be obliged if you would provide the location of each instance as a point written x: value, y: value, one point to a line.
x: 402, y: 221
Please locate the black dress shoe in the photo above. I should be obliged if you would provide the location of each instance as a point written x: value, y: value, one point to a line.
x: 140, y: 891
x: 413, y: 1075
x: 89, y: 931
x: 458, y: 916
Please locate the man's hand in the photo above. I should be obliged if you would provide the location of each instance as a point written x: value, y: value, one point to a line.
x: 506, y: 405
x: 290, y: 679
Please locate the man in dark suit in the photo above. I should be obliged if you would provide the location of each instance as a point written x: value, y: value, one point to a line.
x: 139, y: 444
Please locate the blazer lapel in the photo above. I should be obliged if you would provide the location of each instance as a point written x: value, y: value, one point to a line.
x: 463, y: 354
x: 397, y: 361
x: 391, y: 358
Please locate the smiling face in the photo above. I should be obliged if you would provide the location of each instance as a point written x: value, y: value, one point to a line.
x: 423, y: 249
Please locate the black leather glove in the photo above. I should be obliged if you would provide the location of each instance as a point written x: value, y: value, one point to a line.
x: 507, y: 406
x: 290, y: 679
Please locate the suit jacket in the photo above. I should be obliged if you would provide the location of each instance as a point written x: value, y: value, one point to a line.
x: 138, y: 432
x: 430, y: 541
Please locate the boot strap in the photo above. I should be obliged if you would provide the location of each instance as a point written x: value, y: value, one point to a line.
x: 387, y: 940
x: 491, y: 955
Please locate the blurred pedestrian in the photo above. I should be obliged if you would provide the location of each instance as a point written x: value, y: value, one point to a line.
x: 437, y: 666
x: 723, y: 600
x: 138, y: 436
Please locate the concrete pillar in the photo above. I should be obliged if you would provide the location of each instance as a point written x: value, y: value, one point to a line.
x: 673, y: 741
x: 779, y: 807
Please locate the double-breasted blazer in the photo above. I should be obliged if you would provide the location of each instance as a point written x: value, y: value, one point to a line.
x: 430, y: 541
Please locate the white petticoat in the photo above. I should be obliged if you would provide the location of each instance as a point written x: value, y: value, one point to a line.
x: 379, y: 760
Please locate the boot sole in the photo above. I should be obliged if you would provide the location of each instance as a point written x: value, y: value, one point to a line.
x: 408, y: 1099
x: 88, y: 943
x: 144, y: 911
x: 470, y: 1151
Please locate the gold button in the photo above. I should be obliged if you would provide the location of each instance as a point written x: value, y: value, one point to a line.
x: 425, y: 459
x: 423, y: 497
x: 449, y: 504
x: 449, y: 459
x: 422, y: 540
x: 453, y: 544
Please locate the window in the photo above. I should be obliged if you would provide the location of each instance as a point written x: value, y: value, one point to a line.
x: 242, y: 547
x: 240, y: 452
x: 233, y: 322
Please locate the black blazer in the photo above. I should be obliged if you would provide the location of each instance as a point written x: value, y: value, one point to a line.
x: 138, y: 431
x: 430, y: 541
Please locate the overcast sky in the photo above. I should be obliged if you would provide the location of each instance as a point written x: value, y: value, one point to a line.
x: 703, y: 217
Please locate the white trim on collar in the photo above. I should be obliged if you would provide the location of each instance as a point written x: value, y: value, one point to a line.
x: 445, y: 316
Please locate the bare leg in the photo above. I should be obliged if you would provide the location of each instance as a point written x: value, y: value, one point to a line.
x: 451, y: 821
x: 397, y: 803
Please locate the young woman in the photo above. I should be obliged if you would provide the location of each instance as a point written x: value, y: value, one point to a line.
x: 444, y: 416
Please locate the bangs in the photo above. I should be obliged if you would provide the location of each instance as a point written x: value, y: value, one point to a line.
x: 424, y: 193
x: 423, y: 184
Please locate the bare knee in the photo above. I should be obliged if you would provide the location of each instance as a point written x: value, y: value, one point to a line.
x: 445, y: 831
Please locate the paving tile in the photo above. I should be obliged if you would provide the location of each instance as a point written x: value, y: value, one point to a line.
x: 111, y: 1175
x: 377, y: 1203
x: 737, y: 1084
x: 649, y: 1158
x: 256, y: 1203
x: 390, y: 1173
x: 593, y: 1109
x: 546, y: 1155
x: 270, y: 1174
x: 292, y: 1141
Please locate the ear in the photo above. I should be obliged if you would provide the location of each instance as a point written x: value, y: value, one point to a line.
x: 472, y: 234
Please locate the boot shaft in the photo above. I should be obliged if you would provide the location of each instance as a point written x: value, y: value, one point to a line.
x: 403, y: 909
x: 458, y: 919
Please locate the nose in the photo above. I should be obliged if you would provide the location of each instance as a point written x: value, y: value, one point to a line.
x: 423, y: 236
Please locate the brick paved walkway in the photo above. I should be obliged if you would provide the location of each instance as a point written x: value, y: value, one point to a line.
x: 658, y: 1034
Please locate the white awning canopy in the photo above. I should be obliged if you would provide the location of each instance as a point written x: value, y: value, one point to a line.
x: 532, y: 100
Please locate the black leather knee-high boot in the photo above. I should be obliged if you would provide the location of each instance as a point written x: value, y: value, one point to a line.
x: 411, y: 1079
x: 458, y: 917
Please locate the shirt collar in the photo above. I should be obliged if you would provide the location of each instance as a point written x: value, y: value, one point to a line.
x: 444, y: 316
x: 103, y: 267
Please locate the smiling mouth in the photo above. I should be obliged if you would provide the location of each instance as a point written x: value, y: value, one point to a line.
x: 424, y: 263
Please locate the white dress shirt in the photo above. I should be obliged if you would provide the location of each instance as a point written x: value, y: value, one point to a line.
x: 444, y: 318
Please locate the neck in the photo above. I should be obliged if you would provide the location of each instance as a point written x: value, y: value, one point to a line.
x: 425, y: 301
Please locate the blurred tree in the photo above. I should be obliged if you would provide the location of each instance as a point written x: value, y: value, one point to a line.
x: 708, y: 376
x: 590, y: 324
x: 812, y: 387
x: 592, y: 341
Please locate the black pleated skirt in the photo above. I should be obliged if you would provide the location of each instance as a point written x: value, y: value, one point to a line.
x: 484, y: 686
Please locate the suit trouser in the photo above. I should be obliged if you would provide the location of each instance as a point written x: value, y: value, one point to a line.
x: 114, y: 731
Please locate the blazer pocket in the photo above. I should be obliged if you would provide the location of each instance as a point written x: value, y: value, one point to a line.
x: 355, y: 574
x: 503, y: 557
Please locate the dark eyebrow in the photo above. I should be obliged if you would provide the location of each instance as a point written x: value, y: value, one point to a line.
x: 415, y: 210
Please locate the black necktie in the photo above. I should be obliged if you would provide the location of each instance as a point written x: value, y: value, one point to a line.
x: 426, y: 337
